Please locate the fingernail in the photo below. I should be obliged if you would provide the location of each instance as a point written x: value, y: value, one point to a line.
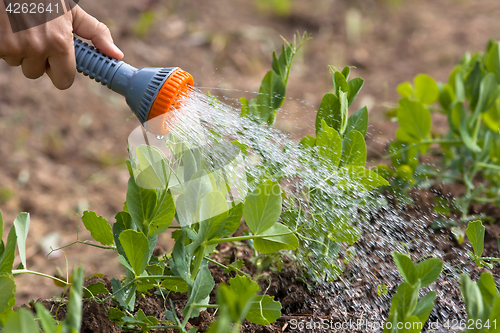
x: 117, y: 50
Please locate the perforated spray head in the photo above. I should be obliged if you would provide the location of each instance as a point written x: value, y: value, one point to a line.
x: 151, y: 93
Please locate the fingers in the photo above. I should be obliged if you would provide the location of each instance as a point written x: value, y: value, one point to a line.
x: 61, y: 69
x: 13, y: 60
x: 89, y: 27
x: 33, y: 68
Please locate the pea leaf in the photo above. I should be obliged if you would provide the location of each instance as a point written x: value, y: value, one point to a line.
x: 73, y: 320
x: 140, y: 204
x: 495, y: 313
x: 353, y: 149
x: 244, y: 107
x: 406, y: 298
x: 200, y: 291
x: 345, y: 234
x: 475, y: 233
x: 491, y: 117
x: 115, y: 315
x: 163, y: 214
x: 239, y: 296
x: 472, y: 85
x: 264, y: 310
x: 428, y: 271
x: 136, y: 248
x: 9, y: 253
x: 151, y: 171
x: 329, y: 146
x: 405, y: 266
x: 233, y: 221
x: 1, y: 226
x: 487, y: 286
x: 446, y: 97
x: 425, y: 306
x: 472, y: 297
x: 346, y: 71
x: 180, y: 263
x: 329, y: 112
x: 123, y: 222
x: 340, y: 83
x: 414, y: 120
x: 22, y: 225
x: 267, y: 245
x: 99, y: 228
x: 358, y: 121
x: 271, y: 96
x: 95, y: 289
x: 7, y: 296
x: 405, y: 89
x: 426, y: 89
x: 262, y: 207
x: 493, y: 60
x: 354, y: 177
x: 22, y: 321
x: 48, y: 323
x: 355, y: 86
x: 213, y: 214
x: 463, y: 129
x: 175, y: 284
x: 488, y: 93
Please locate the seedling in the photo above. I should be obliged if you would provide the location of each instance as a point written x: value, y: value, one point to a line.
x: 470, y: 100
x: 409, y: 313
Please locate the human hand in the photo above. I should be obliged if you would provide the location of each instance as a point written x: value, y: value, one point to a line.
x: 48, y: 48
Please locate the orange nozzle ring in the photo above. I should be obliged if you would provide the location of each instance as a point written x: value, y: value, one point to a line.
x: 177, y: 86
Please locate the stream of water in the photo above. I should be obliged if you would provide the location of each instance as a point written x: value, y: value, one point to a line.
x: 204, y: 122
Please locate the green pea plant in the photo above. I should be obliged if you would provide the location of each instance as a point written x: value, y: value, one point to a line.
x: 481, y: 298
x: 470, y: 149
x: 408, y: 313
x: 339, y: 201
x: 482, y: 302
x: 475, y: 233
x: 22, y: 320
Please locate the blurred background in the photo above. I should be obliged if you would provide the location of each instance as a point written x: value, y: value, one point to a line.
x: 63, y: 152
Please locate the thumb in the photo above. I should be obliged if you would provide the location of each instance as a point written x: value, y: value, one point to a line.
x: 89, y: 27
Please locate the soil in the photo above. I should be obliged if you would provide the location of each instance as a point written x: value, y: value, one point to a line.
x: 63, y: 152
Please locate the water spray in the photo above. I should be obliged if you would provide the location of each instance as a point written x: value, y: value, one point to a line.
x: 151, y: 92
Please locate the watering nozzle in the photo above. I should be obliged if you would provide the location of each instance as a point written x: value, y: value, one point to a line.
x: 151, y: 93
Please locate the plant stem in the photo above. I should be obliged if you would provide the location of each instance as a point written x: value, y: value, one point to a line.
x: 199, y: 260
x: 213, y: 306
x: 488, y: 166
x: 21, y: 271
x: 242, y: 238
x: 225, y: 267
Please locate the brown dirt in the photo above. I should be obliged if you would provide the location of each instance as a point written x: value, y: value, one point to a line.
x: 64, y: 152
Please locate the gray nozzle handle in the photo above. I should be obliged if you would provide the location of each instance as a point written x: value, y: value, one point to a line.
x: 113, y: 73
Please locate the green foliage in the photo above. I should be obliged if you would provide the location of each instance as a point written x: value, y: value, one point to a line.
x: 475, y: 232
x: 98, y: 227
x: 7, y: 296
x: 482, y: 302
x: 272, y: 91
x: 470, y: 100
x: 406, y: 308
x: 263, y: 207
x: 136, y: 248
x: 239, y: 300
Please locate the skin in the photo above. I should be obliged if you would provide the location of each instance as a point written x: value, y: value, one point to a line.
x: 48, y: 48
